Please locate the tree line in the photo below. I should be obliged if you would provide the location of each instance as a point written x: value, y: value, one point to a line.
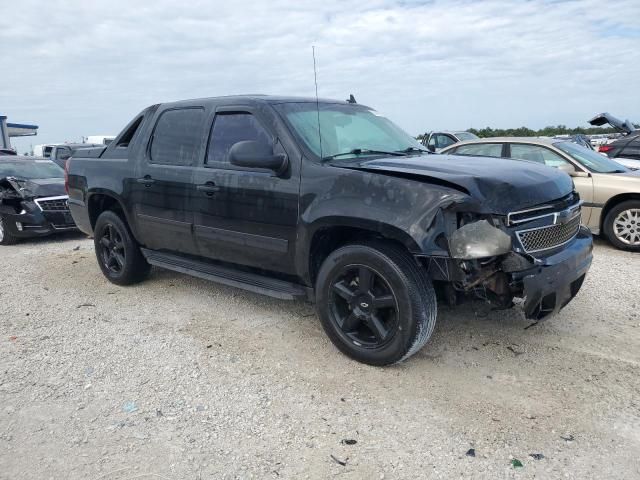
x: 550, y: 131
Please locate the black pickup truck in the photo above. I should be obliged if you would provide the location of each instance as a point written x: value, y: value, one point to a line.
x: 329, y: 201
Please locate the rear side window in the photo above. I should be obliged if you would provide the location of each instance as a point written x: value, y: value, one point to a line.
x: 231, y: 128
x: 537, y: 154
x: 62, y: 153
x: 481, y: 149
x: 177, y: 137
x: 443, y: 141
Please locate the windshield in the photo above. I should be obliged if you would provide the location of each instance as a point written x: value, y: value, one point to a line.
x: 31, y: 170
x: 592, y: 160
x: 462, y: 136
x: 346, y: 130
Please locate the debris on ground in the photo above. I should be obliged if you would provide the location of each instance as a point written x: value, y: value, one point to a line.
x: 349, y: 441
x: 516, y: 349
x: 471, y: 452
x: 129, y: 407
x: 567, y: 438
x: 536, y: 456
x: 515, y: 463
x: 338, y: 461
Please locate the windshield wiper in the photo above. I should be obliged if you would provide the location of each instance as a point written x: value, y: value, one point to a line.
x: 364, y: 151
x: 413, y: 150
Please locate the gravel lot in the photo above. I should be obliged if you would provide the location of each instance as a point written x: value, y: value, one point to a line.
x: 178, y: 378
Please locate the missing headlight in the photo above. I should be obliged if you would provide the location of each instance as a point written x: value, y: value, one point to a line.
x: 478, y: 240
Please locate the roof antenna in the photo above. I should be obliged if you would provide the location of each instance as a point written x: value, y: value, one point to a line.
x: 352, y: 99
x: 315, y: 79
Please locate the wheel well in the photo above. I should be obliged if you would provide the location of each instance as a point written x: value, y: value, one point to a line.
x: 613, y: 201
x: 327, y: 240
x: 99, y: 203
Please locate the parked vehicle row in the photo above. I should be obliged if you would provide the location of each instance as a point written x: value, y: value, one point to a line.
x: 330, y: 201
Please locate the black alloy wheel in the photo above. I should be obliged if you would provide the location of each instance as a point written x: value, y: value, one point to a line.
x: 375, y: 301
x: 117, y: 251
x: 112, y: 250
x: 364, y: 307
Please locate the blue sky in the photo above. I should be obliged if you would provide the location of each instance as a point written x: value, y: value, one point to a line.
x: 85, y: 68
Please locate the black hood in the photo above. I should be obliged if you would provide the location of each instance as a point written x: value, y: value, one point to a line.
x: 28, y: 189
x: 500, y: 185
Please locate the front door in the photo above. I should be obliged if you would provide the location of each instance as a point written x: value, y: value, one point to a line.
x: 163, y: 187
x: 241, y: 215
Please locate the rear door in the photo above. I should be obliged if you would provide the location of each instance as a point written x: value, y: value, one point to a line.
x: 164, y: 187
x: 241, y: 215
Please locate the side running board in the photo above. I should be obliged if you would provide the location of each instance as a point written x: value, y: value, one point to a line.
x: 228, y: 276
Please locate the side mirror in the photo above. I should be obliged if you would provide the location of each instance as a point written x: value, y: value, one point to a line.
x: 252, y: 154
x: 579, y: 173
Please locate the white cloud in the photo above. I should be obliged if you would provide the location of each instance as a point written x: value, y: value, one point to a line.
x: 78, y: 68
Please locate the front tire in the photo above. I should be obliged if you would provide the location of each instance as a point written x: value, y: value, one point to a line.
x: 622, y: 226
x: 375, y: 302
x: 5, y: 237
x: 118, y: 253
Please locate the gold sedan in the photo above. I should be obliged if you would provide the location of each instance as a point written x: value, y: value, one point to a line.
x: 610, y: 191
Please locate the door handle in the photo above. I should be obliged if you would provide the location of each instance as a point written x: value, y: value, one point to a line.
x: 147, y: 180
x: 209, y: 188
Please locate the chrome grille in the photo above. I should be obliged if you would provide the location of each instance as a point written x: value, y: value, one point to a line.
x: 53, y: 204
x: 551, y: 236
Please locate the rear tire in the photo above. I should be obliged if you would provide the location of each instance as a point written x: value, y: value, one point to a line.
x: 622, y: 226
x: 375, y: 302
x: 118, y: 253
x: 5, y: 237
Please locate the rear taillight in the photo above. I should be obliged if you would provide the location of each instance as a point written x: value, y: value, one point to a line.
x: 605, y: 148
x: 66, y: 175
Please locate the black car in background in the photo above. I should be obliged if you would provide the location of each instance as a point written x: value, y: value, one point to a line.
x: 625, y: 150
x: 33, y: 200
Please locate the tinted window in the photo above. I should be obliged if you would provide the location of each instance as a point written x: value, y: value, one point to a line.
x: 177, y: 137
x: 536, y: 153
x: 481, y: 149
x: 231, y: 128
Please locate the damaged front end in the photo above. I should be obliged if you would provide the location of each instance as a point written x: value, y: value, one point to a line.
x: 29, y: 208
x: 538, y: 255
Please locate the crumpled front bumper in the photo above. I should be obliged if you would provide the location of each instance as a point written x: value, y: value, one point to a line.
x: 551, y: 285
x: 37, y: 224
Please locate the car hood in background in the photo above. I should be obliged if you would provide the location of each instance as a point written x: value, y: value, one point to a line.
x: 607, y: 118
x: 28, y: 189
x: 501, y: 185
